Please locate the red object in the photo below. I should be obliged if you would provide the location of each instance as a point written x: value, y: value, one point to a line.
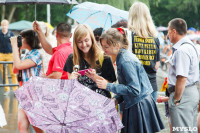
x: 82, y: 72
x: 165, y: 81
x: 20, y: 83
x: 120, y: 30
x: 58, y: 59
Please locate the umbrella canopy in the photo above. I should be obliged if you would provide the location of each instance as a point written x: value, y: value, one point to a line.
x: 38, y: 2
x: 2, y: 117
x: 49, y: 26
x: 192, y: 29
x: 64, y: 106
x: 23, y: 24
x: 162, y: 28
x: 193, y: 36
x: 20, y: 25
x: 97, y: 15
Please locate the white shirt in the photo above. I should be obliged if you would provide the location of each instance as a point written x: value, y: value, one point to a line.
x: 184, y: 62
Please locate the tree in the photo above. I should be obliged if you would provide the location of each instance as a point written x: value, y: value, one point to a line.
x: 162, y: 11
x: 169, y: 9
x: 11, y: 12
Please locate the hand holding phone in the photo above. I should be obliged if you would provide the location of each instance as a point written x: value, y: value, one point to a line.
x: 82, y: 72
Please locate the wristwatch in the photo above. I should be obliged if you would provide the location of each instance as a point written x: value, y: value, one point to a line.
x: 177, y: 101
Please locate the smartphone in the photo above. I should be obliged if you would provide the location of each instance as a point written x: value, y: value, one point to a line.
x: 82, y: 72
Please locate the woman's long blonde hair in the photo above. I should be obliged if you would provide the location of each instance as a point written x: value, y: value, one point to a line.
x: 81, y: 31
x: 140, y: 21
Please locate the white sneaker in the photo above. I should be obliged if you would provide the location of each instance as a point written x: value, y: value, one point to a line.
x: 6, y: 93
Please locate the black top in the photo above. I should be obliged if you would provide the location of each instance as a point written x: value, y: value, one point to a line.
x: 5, y: 45
x: 148, y: 52
x: 106, y: 71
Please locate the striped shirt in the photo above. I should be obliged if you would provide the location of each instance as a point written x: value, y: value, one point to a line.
x: 37, y: 70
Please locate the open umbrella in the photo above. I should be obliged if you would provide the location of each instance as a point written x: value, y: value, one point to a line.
x: 2, y: 117
x: 23, y: 24
x: 64, y: 106
x: 97, y: 15
x: 192, y: 29
x: 49, y: 26
x: 162, y: 28
x: 193, y: 36
x: 38, y: 2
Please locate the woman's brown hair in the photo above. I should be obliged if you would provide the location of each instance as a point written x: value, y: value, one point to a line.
x: 114, y: 36
x: 31, y: 38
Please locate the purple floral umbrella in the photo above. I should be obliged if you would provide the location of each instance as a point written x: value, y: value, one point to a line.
x: 63, y: 106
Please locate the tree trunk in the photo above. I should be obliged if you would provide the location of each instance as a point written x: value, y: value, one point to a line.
x: 11, y: 13
x: 27, y: 11
x: 3, y: 12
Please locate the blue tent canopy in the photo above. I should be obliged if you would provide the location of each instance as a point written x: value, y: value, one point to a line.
x: 192, y: 29
x: 20, y: 25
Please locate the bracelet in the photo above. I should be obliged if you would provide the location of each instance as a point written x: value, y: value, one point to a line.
x: 160, y: 99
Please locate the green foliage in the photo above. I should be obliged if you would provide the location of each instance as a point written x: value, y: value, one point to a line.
x: 58, y: 13
x: 27, y: 12
x: 169, y: 9
x: 162, y: 11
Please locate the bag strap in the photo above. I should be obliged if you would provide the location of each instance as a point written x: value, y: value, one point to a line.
x: 193, y: 47
x: 101, y: 59
x: 41, y: 66
x: 30, y: 72
x: 38, y: 69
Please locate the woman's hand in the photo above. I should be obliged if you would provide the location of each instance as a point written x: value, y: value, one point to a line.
x: 36, y: 27
x: 44, y: 75
x: 13, y: 41
x: 74, y: 75
x: 16, y: 59
x: 92, y: 74
x: 101, y: 83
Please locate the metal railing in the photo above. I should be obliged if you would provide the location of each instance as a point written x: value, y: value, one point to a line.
x: 4, y: 74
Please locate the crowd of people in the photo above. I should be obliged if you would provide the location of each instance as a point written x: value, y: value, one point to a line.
x: 123, y: 61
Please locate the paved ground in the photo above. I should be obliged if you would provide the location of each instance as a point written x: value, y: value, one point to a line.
x: 10, y: 106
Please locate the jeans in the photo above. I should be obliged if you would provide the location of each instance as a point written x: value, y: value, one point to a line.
x: 154, y: 95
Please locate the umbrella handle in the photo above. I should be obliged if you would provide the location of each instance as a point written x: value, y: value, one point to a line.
x: 35, y: 11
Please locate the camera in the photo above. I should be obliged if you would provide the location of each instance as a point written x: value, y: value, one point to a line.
x: 19, y: 41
